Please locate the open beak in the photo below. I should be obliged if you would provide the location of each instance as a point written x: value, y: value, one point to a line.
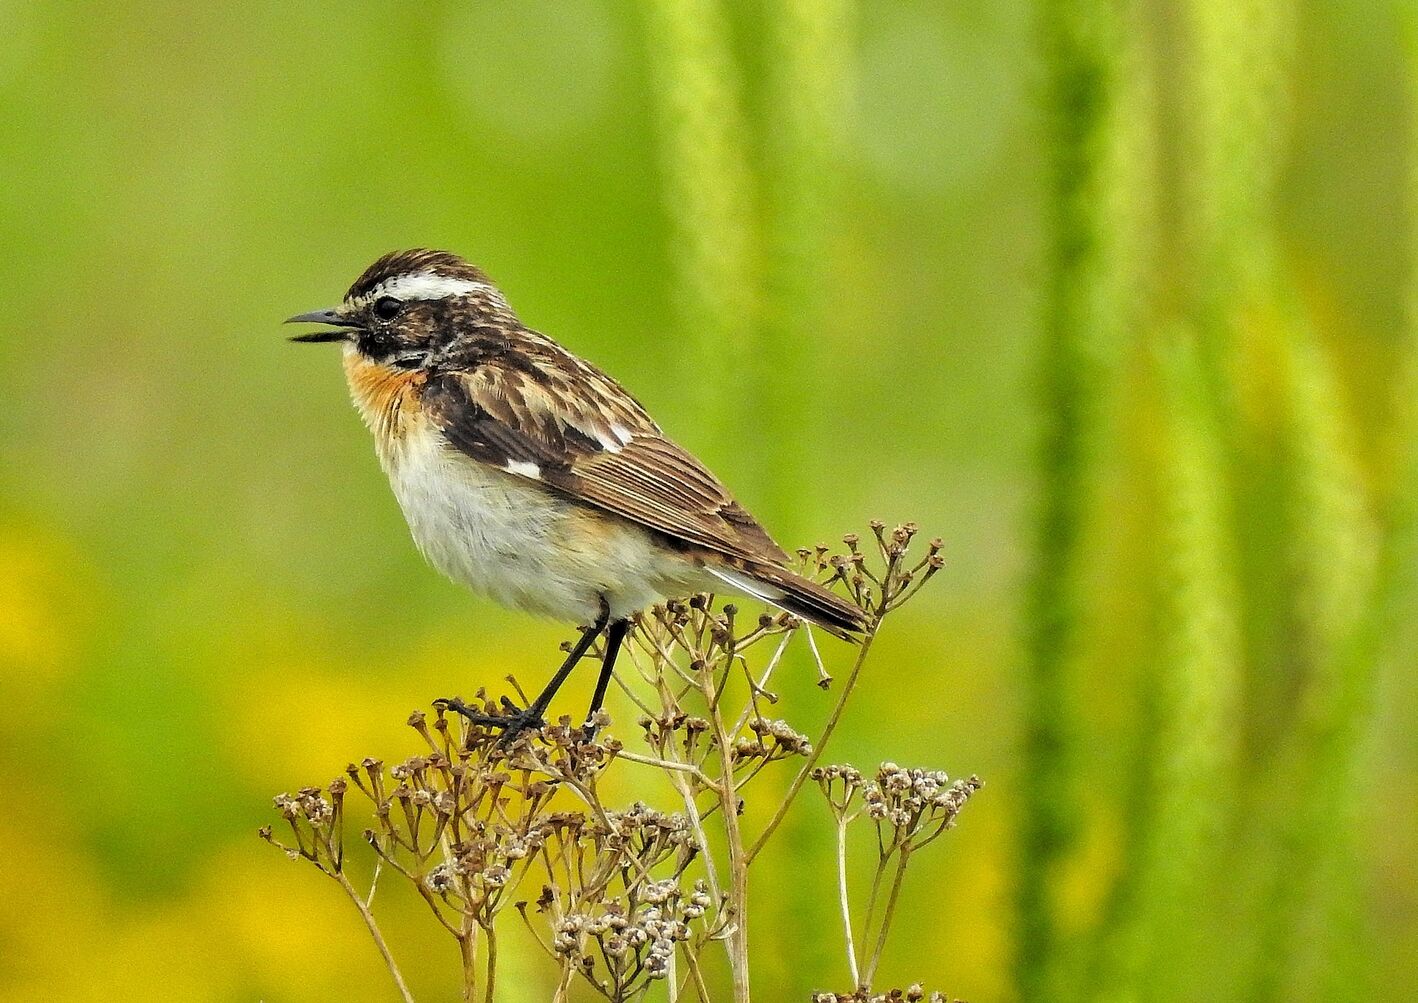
x: 321, y: 317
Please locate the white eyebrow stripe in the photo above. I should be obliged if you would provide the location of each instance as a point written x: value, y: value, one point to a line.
x: 426, y: 286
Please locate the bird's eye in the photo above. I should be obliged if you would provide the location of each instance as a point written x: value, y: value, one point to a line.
x: 387, y: 307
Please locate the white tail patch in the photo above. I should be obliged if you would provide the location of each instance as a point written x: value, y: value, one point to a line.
x: 770, y: 594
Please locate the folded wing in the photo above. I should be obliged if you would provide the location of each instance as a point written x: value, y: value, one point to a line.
x: 596, y: 445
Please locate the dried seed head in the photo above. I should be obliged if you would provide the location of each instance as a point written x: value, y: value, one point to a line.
x: 916, y: 802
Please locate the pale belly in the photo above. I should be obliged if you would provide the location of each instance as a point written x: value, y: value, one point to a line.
x: 503, y: 536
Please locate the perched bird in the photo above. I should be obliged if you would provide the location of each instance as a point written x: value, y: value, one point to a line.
x: 529, y: 475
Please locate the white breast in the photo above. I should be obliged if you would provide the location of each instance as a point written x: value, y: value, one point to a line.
x: 505, y: 536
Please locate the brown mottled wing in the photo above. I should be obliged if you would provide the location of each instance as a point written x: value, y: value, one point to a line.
x: 654, y: 482
x: 565, y: 424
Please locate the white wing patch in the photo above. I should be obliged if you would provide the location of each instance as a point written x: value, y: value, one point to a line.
x: 618, y: 439
x: 524, y: 469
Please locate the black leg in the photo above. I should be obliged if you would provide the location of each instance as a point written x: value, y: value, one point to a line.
x: 514, y: 723
x: 539, y: 705
x: 614, y: 636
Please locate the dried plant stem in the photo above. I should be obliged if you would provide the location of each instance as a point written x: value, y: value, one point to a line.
x: 761, y: 685
x: 843, y: 898
x: 491, y: 963
x: 696, y: 822
x: 738, y: 859
x: 697, y: 974
x: 563, y: 985
x: 368, y: 917
x: 862, y: 651
x: 634, y: 896
x: 875, y: 890
x: 374, y: 882
x: 467, y: 948
x: 667, y: 764
x: 886, y: 916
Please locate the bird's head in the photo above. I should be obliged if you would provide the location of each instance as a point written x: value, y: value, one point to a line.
x: 407, y: 306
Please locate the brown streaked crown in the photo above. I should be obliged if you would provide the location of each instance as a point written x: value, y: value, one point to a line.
x: 418, y: 259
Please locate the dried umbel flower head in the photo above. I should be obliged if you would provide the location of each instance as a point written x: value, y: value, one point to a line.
x: 839, y: 783
x: 771, y: 742
x: 911, y: 994
x: 910, y: 808
x: 918, y: 804
x: 633, y: 895
x: 314, y: 816
x: 882, y: 580
x: 621, y: 943
x: 647, y: 835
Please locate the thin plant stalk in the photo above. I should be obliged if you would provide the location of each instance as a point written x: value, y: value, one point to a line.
x: 843, y: 899
x: 833, y: 719
x: 889, y: 913
x: 738, y: 860
x: 491, y: 940
x: 367, y: 915
x: 467, y: 950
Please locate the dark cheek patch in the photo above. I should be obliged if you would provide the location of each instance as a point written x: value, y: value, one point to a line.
x: 376, y: 344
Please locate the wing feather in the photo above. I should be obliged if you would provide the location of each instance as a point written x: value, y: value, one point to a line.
x: 569, y: 426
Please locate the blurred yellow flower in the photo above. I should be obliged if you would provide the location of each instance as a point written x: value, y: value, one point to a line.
x: 46, y: 603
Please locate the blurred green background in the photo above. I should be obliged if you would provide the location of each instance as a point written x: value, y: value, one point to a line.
x: 1114, y: 297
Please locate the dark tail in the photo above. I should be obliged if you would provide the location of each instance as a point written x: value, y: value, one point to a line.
x: 795, y: 594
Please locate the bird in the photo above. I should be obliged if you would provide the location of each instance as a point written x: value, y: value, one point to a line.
x: 530, y: 476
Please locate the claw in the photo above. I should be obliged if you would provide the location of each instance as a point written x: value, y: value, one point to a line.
x: 513, y: 722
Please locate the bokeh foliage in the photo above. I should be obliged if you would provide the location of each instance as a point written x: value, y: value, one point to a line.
x: 1114, y: 296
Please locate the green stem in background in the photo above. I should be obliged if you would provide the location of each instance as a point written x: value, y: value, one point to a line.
x: 708, y: 195
x: 1237, y: 107
x: 1315, y: 934
x: 1156, y: 941
x: 1332, y: 559
x: 810, y: 62
x: 1079, y: 58
x: 1236, y: 104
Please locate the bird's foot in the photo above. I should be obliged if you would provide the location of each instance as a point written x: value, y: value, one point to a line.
x: 513, y: 720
